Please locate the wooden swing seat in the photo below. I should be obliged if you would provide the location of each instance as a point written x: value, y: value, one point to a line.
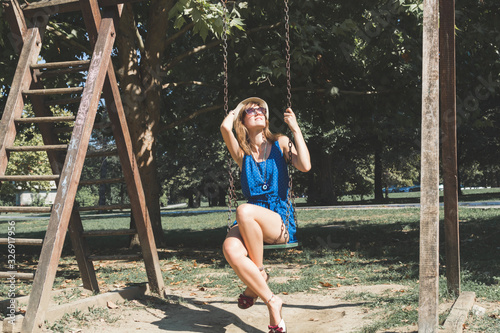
x: 280, y: 246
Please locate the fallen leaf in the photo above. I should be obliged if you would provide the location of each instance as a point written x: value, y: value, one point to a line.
x: 313, y: 319
x: 326, y: 284
x: 112, y: 305
x: 200, y: 303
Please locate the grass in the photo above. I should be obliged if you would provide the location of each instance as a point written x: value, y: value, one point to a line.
x: 340, y: 247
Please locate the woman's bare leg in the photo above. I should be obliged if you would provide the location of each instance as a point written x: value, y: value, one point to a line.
x: 243, y: 249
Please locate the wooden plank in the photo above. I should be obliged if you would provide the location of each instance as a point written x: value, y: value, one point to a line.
x: 80, y: 247
x: 14, y: 104
x: 18, y: 28
x: 458, y: 315
x: 54, y: 91
x: 38, y: 120
x: 20, y: 276
x: 62, y: 64
x: 104, y: 233
x: 24, y: 209
x: 429, y: 200
x: 63, y: 101
x: 58, y: 72
x: 30, y: 178
x: 22, y: 241
x: 70, y: 175
x: 65, y: 6
x: 37, y: 148
x: 133, y: 179
x: 102, y: 153
x: 447, y: 79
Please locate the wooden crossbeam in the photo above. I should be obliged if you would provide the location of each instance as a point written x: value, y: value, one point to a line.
x: 65, y: 6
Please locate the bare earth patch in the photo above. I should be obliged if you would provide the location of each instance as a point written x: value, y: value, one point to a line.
x: 195, y: 311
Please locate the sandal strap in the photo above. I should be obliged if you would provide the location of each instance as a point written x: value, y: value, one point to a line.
x: 269, y: 300
x: 275, y: 329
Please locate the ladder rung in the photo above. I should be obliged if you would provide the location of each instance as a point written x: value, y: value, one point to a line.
x: 53, y: 91
x: 101, y: 181
x: 37, y: 120
x: 20, y: 276
x: 102, y: 153
x: 24, y: 209
x: 115, y: 257
x: 58, y: 72
x: 110, y: 207
x: 37, y: 148
x: 24, y: 178
x: 102, y: 125
x: 118, y: 232
x: 21, y: 241
x: 62, y: 64
x: 62, y: 101
x: 65, y: 129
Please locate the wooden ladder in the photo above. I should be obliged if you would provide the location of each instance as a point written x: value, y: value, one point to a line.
x: 67, y: 160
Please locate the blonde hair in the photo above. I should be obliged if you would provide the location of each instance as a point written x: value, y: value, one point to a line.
x: 242, y: 131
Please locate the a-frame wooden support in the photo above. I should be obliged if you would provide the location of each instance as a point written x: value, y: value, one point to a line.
x: 64, y: 215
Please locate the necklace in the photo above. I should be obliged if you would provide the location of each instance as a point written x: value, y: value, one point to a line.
x: 264, y: 179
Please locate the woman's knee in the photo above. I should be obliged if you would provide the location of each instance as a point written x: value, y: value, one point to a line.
x: 244, y: 211
x: 233, y: 249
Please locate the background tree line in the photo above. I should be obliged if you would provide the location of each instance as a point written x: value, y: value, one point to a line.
x: 356, y: 80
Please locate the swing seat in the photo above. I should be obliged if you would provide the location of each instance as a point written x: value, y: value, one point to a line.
x: 280, y: 246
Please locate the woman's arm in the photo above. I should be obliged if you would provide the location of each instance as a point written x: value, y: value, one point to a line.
x: 226, y: 129
x: 300, y: 154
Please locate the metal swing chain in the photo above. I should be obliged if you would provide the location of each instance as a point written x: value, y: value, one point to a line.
x: 291, y: 197
x: 232, y: 202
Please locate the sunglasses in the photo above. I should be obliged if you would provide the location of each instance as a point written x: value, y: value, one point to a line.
x: 256, y: 111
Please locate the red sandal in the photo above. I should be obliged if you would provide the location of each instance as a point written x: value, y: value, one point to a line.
x: 280, y: 328
x: 244, y: 301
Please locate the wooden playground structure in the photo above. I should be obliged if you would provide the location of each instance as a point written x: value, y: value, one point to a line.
x: 67, y: 160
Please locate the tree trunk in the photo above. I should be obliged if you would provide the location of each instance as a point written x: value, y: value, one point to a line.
x: 141, y: 94
x: 378, y: 173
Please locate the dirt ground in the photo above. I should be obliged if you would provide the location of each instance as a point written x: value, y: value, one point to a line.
x: 197, y: 313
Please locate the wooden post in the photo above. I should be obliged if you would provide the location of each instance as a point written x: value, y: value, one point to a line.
x: 449, y: 142
x: 429, y: 201
x: 70, y: 176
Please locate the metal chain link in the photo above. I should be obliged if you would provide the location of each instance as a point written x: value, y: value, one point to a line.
x: 290, y: 196
x: 288, y: 72
x: 224, y: 47
x: 232, y: 202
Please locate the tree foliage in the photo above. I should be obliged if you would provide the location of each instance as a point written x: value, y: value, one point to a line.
x: 356, y: 80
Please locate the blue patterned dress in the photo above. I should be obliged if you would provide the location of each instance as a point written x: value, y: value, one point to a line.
x: 275, y: 197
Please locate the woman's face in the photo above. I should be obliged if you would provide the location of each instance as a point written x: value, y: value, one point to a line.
x: 254, y: 116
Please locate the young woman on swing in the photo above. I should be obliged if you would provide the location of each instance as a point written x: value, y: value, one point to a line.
x: 261, y: 157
